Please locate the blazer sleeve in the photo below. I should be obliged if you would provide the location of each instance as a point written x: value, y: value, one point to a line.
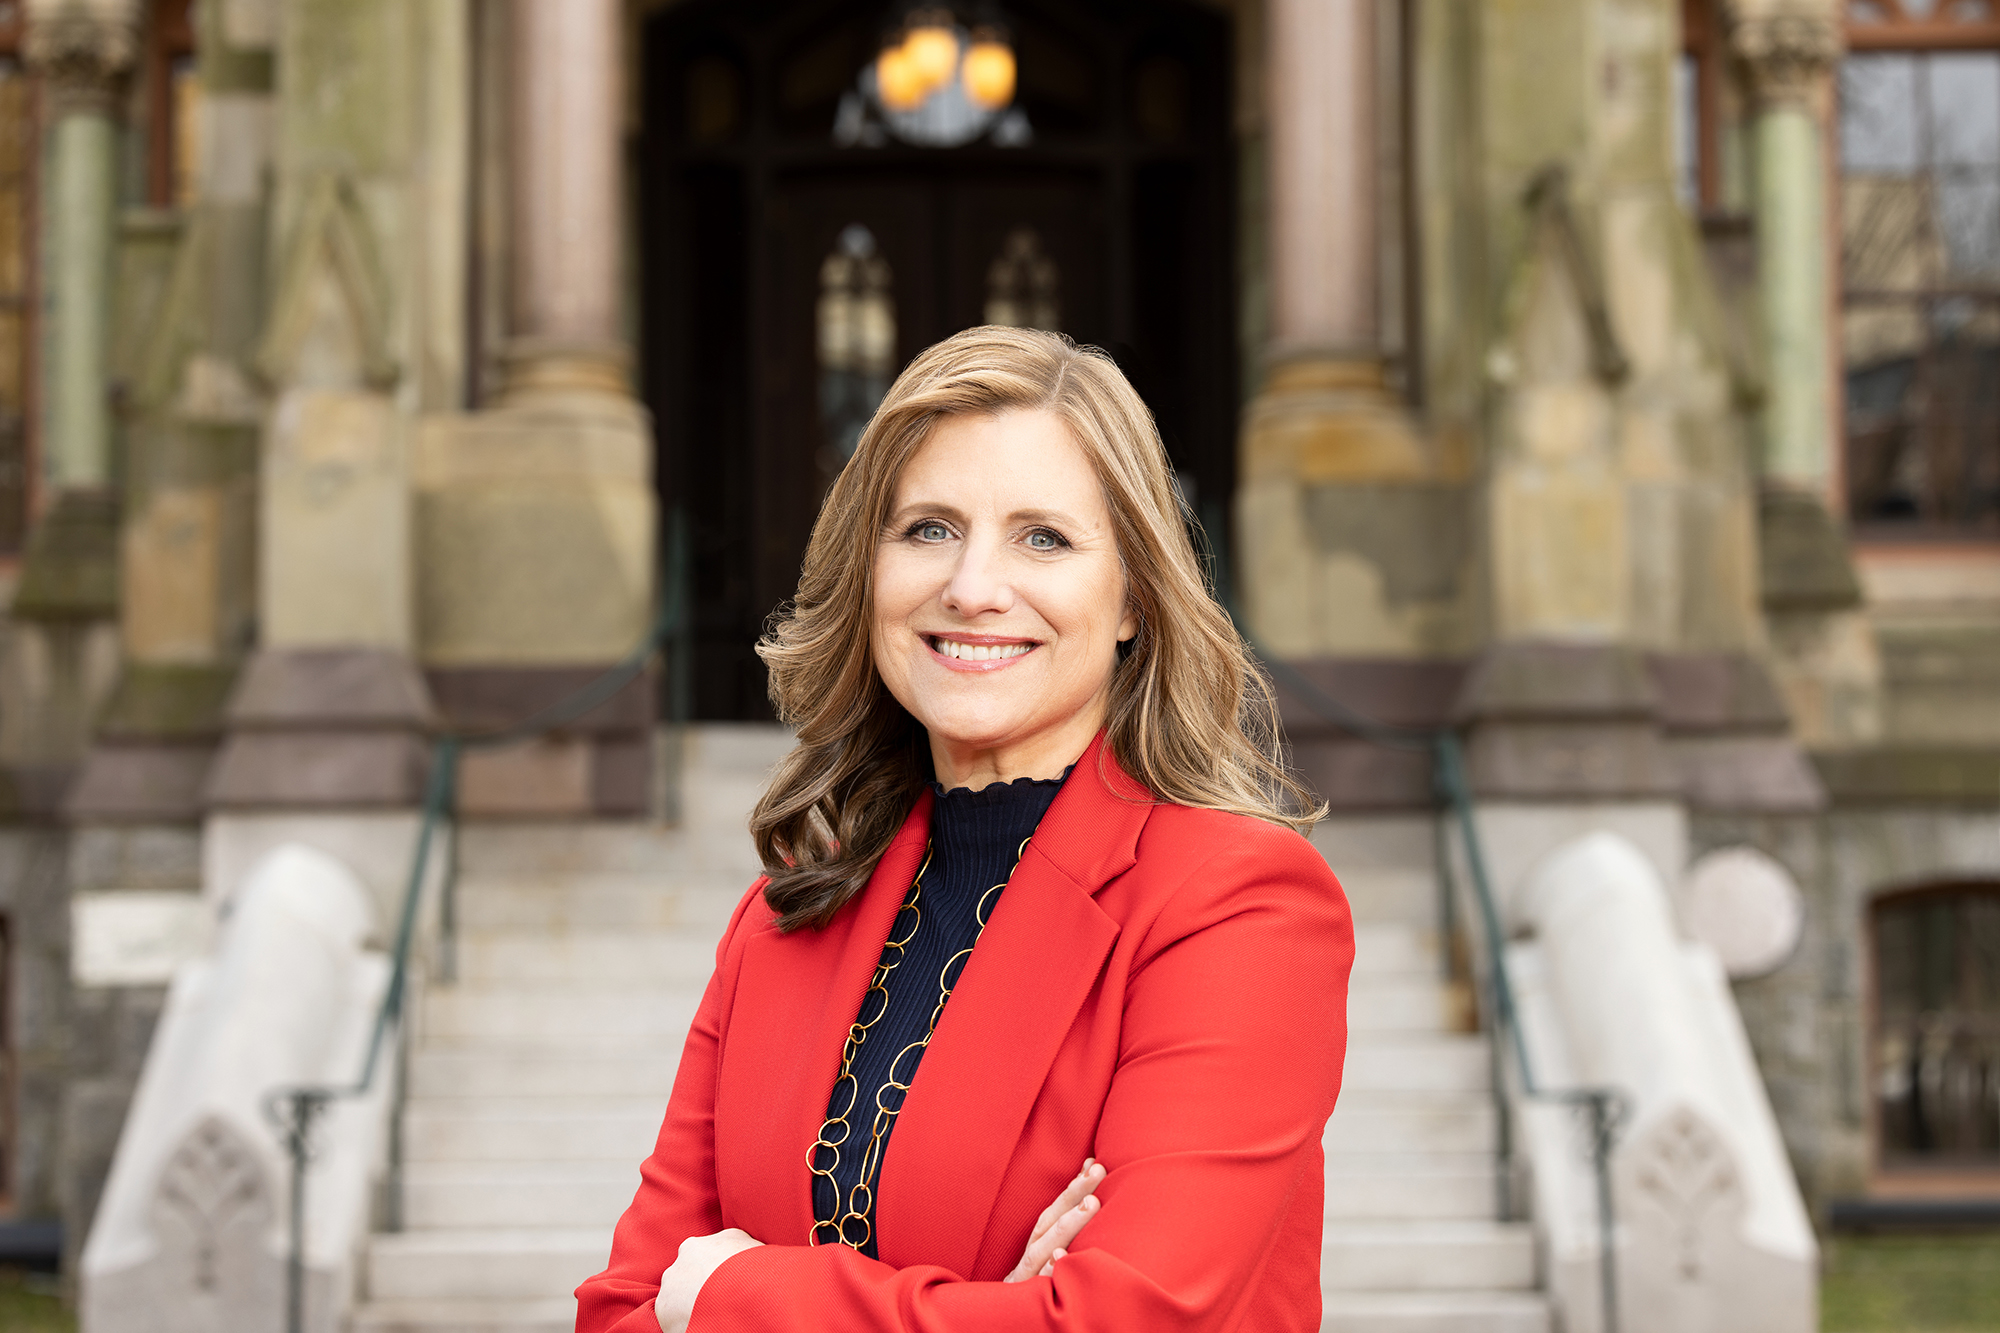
x: 677, y: 1196
x: 1234, y: 1033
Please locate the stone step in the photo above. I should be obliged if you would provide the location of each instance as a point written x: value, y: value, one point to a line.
x: 1382, y: 1255
x: 1387, y: 893
x: 490, y: 1070
x: 1364, y: 1132
x: 499, y: 1265
x: 1434, y: 1312
x: 1398, y: 1005
x: 529, y: 1316
x: 563, y: 1131
x: 1354, y: 1192
x: 1411, y: 1125
x: 446, y: 1195
x: 1382, y: 948
x: 1417, y: 1063
x: 533, y: 1014
x: 650, y: 959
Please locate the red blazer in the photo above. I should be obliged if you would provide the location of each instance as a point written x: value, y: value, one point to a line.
x: 1164, y: 989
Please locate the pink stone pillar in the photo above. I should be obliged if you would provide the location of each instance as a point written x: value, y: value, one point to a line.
x: 1323, y: 176
x: 566, y: 177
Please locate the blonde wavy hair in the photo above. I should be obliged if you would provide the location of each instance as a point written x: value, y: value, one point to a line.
x: 1190, y: 716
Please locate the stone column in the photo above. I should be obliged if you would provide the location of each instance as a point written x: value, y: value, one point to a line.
x: 1619, y: 511
x: 567, y: 173
x: 1323, y: 178
x: 324, y: 726
x: 535, y: 556
x: 192, y: 418
x: 1826, y: 656
x: 1789, y: 50
x: 62, y: 661
x: 85, y: 49
x: 1326, y: 438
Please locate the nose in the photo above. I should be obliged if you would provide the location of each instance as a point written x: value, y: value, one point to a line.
x: 978, y: 584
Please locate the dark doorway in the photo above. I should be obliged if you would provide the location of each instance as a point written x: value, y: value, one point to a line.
x: 790, y: 269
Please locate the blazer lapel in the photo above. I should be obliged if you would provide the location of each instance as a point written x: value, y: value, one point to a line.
x: 795, y: 999
x: 1039, y: 959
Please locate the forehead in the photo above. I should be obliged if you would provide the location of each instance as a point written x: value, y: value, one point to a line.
x: 1025, y: 458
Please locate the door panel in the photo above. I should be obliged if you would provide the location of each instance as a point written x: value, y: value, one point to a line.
x: 1116, y: 217
x: 1065, y: 215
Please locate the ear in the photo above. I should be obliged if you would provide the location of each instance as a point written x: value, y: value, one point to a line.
x: 1128, y: 628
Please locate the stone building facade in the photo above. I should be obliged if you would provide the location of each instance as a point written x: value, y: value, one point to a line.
x: 1608, y: 379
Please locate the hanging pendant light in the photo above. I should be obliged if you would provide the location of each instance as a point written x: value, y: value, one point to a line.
x: 930, y: 44
x: 898, y: 82
x: 988, y: 70
x: 938, y: 83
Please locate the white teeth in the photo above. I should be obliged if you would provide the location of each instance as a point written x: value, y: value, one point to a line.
x: 979, y: 652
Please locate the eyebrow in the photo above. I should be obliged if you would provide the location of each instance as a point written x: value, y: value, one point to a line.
x: 1054, y: 517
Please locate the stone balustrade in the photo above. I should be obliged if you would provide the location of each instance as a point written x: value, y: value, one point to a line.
x: 191, y: 1236
x: 1711, y: 1230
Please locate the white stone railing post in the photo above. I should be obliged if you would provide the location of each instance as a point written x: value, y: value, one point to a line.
x: 190, y: 1236
x: 1713, y: 1234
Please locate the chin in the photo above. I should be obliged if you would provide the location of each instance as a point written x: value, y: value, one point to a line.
x: 972, y: 733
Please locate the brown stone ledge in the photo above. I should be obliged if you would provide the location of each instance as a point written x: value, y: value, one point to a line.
x: 1911, y: 775
x: 599, y: 765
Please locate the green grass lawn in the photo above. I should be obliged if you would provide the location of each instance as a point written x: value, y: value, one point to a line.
x: 28, y: 1304
x: 1873, y: 1284
x: 1911, y: 1284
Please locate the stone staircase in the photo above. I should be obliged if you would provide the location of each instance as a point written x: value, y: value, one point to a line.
x: 536, y: 1084
x: 1411, y: 1244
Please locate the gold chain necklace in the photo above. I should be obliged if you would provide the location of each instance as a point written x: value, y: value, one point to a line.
x: 861, y: 1199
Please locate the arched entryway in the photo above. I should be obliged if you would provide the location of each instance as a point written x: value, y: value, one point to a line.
x: 796, y: 252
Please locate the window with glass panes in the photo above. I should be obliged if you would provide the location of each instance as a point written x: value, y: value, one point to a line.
x: 1919, y: 218
x: 1936, y: 1041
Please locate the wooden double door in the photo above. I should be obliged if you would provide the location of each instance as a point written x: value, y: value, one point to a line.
x: 788, y: 279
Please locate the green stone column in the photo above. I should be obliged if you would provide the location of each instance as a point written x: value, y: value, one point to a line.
x: 1790, y: 52
x: 82, y: 207
x: 84, y: 52
x: 1791, y: 230
x: 60, y: 658
x: 1822, y: 644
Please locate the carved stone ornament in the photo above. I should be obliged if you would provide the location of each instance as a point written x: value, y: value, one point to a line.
x: 85, y: 48
x: 1789, y: 50
x: 212, y: 1187
x: 1683, y: 1169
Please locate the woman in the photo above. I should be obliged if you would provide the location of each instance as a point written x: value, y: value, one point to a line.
x: 1024, y: 726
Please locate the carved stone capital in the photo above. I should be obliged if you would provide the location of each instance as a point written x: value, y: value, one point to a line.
x: 1789, y: 50
x: 84, y: 48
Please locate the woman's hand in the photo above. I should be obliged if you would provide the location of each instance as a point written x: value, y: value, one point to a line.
x: 1059, y: 1224
x: 699, y: 1257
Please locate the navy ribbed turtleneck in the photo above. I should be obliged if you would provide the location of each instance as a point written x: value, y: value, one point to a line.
x: 976, y: 838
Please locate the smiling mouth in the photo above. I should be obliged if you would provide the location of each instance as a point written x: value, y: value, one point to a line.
x: 976, y: 652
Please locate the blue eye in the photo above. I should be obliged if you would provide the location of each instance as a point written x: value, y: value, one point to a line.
x: 932, y: 532
x: 1041, y: 539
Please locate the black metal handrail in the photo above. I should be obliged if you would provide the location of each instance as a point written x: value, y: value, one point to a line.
x: 1604, y: 1109
x: 294, y: 1110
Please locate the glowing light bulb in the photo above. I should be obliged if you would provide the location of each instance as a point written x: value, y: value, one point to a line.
x: 989, y: 74
x: 897, y: 81
x: 932, y: 50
